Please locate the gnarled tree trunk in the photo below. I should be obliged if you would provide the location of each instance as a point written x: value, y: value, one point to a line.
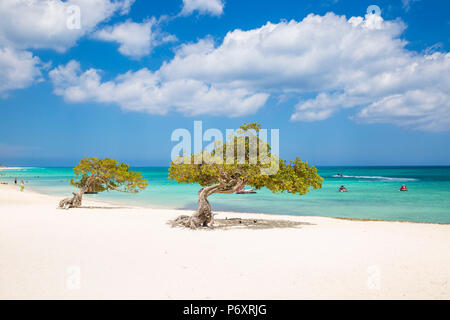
x: 203, y: 217
x: 75, y: 201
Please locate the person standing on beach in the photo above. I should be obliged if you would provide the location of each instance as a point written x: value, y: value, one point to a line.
x: 22, y: 185
x: 15, y: 180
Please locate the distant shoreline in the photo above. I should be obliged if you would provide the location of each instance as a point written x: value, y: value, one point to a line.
x: 17, y: 168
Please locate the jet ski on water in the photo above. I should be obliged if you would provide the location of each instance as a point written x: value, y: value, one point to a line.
x: 245, y: 191
x: 343, y: 189
x: 339, y: 175
x: 403, y: 188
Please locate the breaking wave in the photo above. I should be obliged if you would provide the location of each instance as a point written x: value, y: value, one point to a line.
x: 375, y: 178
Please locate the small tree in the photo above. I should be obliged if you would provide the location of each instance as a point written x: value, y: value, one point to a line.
x: 220, y: 172
x: 100, y: 175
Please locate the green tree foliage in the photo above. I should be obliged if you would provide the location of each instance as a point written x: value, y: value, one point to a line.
x: 220, y: 172
x: 98, y: 175
x: 107, y: 174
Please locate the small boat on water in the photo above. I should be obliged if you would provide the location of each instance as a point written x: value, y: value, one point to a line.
x: 244, y: 191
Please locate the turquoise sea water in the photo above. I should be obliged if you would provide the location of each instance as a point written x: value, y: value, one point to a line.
x: 373, y: 193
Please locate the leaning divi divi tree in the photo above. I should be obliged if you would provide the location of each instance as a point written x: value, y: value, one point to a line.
x: 245, y: 159
x: 100, y: 175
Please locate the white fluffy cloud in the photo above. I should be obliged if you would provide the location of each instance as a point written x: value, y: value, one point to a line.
x: 358, y: 63
x: 414, y: 94
x: 37, y: 24
x: 136, y: 39
x: 212, y: 7
x: 318, y: 53
x: 18, y: 69
x: 144, y: 91
x: 427, y: 110
x: 347, y: 63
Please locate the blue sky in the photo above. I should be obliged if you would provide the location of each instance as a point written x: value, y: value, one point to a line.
x: 343, y: 87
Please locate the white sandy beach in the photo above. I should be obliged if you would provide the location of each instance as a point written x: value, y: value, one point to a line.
x: 131, y: 253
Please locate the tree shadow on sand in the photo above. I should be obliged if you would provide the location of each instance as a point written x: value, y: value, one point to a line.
x: 238, y: 223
